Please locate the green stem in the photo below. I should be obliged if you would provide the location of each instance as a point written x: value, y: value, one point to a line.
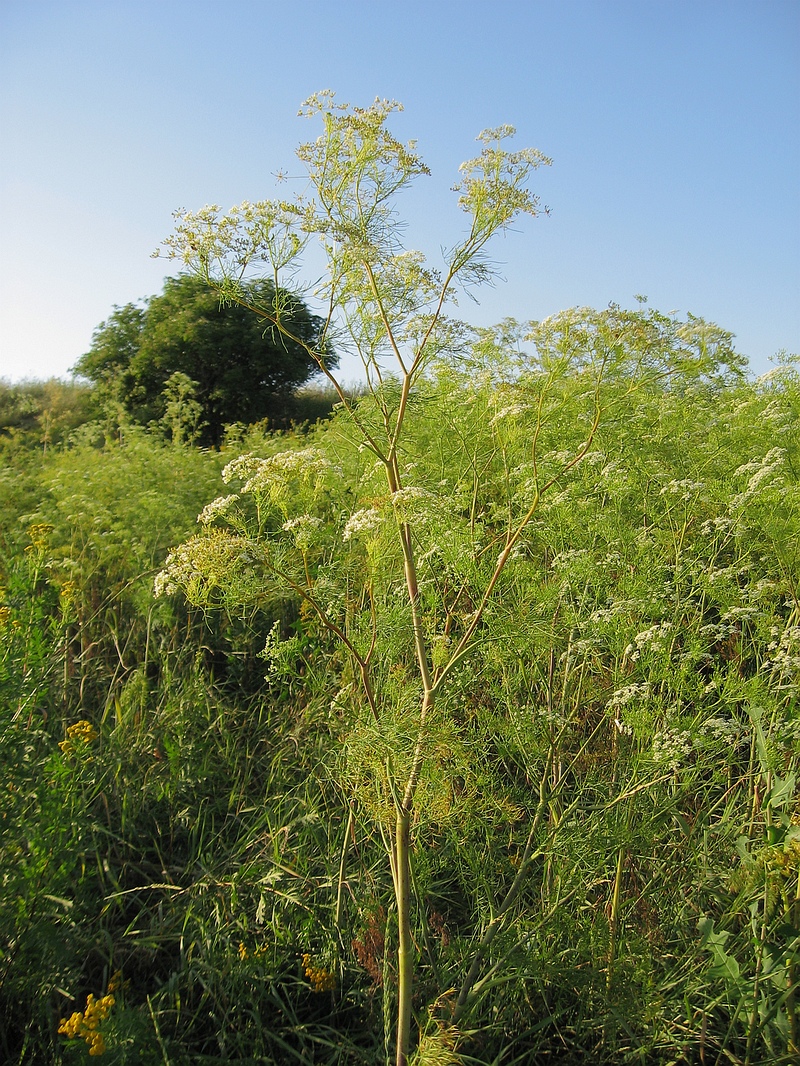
x: 342, y: 869
x: 614, y: 923
x: 754, y: 1027
x: 793, y: 916
x: 405, y: 947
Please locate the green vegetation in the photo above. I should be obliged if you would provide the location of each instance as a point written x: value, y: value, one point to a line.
x: 194, y: 365
x: 460, y: 727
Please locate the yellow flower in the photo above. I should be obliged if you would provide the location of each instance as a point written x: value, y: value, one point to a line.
x: 38, y: 534
x: 85, y: 1025
x: 322, y: 980
x: 257, y: 953
x: 82, y: 732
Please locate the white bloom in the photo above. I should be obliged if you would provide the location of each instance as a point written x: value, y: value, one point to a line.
x: 216, y: 509
x: 786, y: 656
x: 740, y: 613
x: 563, y: 560
x: 685, y: 489
x: 628, y: 693
x: 715, y: 525
x: 513, y: 410
x: 241, y: 468
x: 724, y: 729
x: 417, y: 504
x: 652, y: 638
x: 671, y: 746
x: 760, y: 470
x: 363, y: 521
x: 303, y: 528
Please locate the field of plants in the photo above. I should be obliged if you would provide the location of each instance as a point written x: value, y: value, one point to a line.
x: 196, y: 805
x: 457, y: 728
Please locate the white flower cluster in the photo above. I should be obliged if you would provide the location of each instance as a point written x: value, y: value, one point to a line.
x: 671, y: 746
x: 560, y: 458
x: 581, y: 649
x: 271, y: 645
x: 772, y: 460
x: 719, y: 632
x: 178, y: 571
x: 261, y: 475
x: 760, y: 589
x: 513, y: 410
x: 786, y: 654
x: 613, y: 469
x: 216, y: 509
x: 615, y: 607
x: 651, y: 639
x: 303, y: 528
x: 182, y: 569
x: 726, y: 730
x: 242, y: 468
x: 741, y: 613
x: 550, y: 500
x: 416, y: 504
x: 364, y: 521
x: 760, y: 471
x: 209, y: 564
x: 565, y: 559
x: 716, y: 525
x: 628, y: 693
x: 725, y: 573
x: 686, y: 489
x: 280, y: 655
x: 342, y: 700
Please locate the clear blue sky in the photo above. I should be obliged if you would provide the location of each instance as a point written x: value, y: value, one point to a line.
x: 673, y: 127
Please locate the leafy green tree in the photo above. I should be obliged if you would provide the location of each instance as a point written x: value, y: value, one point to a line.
x: 243, y: 370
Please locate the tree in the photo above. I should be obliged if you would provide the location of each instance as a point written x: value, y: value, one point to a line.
x: 243, y: 369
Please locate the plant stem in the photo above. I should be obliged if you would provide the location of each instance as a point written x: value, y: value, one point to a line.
x: 614, y: 923
x: 405, y: 949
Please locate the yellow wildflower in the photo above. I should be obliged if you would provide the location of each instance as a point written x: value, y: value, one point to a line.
x: 322, y: 980
x: 256, y: 953
x: 39, y: 534
x: 85, y: 1025
x: 82, y: 732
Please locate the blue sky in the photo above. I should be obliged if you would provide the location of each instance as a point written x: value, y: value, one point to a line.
x: 673, y: 128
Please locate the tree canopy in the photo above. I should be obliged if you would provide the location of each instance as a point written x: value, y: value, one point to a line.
x: 243, y: 369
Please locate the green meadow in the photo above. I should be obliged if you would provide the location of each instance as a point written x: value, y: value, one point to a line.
x: 456, y: 726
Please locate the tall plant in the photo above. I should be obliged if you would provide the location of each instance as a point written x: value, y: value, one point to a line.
x: 404, y: 577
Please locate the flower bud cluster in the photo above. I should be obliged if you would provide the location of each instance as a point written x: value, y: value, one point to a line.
x: 321, y: 979
x: 79, y: 735
x: 85, y: 1025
